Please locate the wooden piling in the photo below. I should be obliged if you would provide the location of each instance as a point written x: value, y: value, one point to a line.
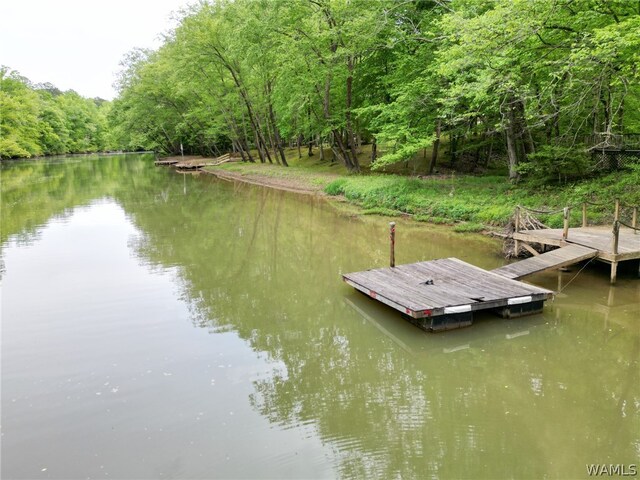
x: 584, y: 215
x: 616, y: 213
x: 565, y: 228
x: 614, y: 272
x: 634, y: 219
x: 616, y: 238
x: 516, y: 243
x: 392, y: 244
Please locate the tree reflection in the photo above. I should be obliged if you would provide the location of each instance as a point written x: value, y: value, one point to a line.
x: 528, y: 398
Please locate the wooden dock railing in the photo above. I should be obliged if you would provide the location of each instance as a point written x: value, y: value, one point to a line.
x: 614, y: 247
x: 566, y: 216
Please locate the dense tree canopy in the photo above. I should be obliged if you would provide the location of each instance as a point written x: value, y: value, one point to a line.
x: 528, y: 81
x: 532, y: 84
x: 42, y: 120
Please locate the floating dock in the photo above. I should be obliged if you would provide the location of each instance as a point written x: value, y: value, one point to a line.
x: 443, y: 294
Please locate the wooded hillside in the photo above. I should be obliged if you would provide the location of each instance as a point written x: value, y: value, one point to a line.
x: 40, y: 119
x: 528, y: 81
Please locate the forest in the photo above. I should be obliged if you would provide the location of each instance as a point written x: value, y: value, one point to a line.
x: 40, y: 119
x: 532, y: 85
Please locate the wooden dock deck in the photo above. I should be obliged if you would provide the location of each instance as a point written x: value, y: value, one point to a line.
x: 603, y: 241
x: 167, y: 161
x: 193, y: 162
x: 443, y: 294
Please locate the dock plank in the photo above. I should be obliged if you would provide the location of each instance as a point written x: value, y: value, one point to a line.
x: 554, y: 259
x: 598, y: 238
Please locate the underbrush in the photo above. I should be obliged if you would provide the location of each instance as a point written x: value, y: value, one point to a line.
x: 489, y: 200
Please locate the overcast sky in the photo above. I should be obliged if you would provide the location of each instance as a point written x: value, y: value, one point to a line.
x: 78, y: 44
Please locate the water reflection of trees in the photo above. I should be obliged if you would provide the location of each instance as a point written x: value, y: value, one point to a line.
x: 537, y: 397
x: 267, y: 267
x: 35, y: 191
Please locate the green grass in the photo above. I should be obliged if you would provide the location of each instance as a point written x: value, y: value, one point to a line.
x: 467, y: 227
x: 488, y: 200
x: 473, y: 202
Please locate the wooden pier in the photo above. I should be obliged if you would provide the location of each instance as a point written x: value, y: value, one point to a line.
x: 196, y: 163
x: 167, y: 161
x: 193, y: 162
x: 443, y: 294
x: 619, y: 243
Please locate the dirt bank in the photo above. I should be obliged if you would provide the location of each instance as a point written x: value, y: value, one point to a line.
x: 290, y: 184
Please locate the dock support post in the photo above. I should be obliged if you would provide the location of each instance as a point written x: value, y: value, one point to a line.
x: 616, y: 237
x: 616, y: 213
x: 634, y: 219
x: 584, y: 215
x: 565, y: 229
x: 516, y: 243
x: 392, y: 240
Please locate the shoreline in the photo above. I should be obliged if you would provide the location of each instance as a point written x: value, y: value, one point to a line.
x: 287, y: 184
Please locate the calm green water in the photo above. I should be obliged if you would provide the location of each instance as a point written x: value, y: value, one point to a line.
x: 159, y: 325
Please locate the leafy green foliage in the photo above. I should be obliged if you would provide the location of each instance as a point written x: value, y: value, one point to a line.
x: 523, y: 82
x: 555, y: 163
x: 38, y: 120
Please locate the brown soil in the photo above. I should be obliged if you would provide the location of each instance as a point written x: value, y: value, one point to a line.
x: 290, y: 184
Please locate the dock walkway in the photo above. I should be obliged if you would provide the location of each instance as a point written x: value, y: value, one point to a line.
x: 603, y: 241
x: 560, y: 257
x: 193, y: 162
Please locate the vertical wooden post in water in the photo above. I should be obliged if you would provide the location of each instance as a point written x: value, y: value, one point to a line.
x: 584, y: 214
x: 565, y: 229
x: 634, y: 219
x: 516, y: 243
x: 616, y: 213
x: 616, y: 237
x: 392, y: 240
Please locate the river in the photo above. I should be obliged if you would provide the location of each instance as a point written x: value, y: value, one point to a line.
x: 166, y: 325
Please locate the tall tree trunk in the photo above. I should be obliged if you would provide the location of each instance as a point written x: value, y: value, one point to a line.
x: 453, y: 150
x: 262, y: 139
x: 321, y: 148
x: 261, y: 144
x: 342, y: 150
x: 238, y: 149
x: 310, y: 152
x: 489, y: 152
x: 272, y: 141
x: 351, y: 140
x: 524, y: 131
x: 277, y: 136
x: 436, y: 145
x: 512, y: 148
x: 374, y: 150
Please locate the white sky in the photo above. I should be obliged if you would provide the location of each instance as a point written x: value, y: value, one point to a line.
x: 78, y: 44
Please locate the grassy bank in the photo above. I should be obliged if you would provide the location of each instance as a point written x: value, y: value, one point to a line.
x: 470, y: 202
